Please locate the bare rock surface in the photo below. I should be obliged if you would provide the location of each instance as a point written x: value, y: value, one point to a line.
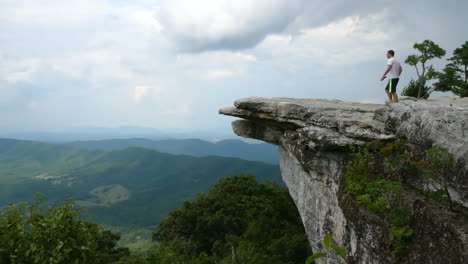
x: 313, y: 137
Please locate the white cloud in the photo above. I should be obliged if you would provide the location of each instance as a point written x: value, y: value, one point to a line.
x: 215, y: 65
x: 139, y: 92
x: 19, y: 70
x: 347, y: 41
x: 220, y: 74
x: 142, y: 91
x: 225, y: 24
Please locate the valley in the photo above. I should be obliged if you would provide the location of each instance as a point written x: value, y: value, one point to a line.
x: 125, y: 188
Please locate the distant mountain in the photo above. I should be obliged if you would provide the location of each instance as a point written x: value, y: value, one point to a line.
x: 194, y: 147
x: 87, y: 133
x: 132, y: 187
x: 122, y: 132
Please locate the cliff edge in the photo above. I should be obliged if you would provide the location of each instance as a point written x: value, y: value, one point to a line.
x: 313, y: 138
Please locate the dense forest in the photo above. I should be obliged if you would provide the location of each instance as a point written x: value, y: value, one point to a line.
x: 239, y: 220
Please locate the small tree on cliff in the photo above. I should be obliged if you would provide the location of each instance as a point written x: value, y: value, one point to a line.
x: 454, y: 77
x: 428, y: 50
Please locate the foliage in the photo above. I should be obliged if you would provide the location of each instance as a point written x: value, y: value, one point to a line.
x: 328, y: 245
x: 428, y: 50
x: 239, y: 220
x: 132, y: 260
x: 412, y: 90
x: 402, y: 235
x: 375, y: 175
x: 440, y: 164
x: 374, y: 178
x: 158, y: 182
x: 454, y: 76
x: 41, y: 233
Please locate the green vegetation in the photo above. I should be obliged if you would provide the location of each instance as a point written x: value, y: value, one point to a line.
x: 428, y: 50
x: 375, y: 175
x: 238, y: 221
x: 128, y: 190
x: 328, y: 244
x: 42, y: 233
x: 439, y: 165
x: 374, y: 178
x: 194, y: 147
x: 454, y: 77
x: 412, y: 89
x: 134, y: 187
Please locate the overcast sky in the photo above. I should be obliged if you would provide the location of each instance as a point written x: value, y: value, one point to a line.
x: 171, y: 64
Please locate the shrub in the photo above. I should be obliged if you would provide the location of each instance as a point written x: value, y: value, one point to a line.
x: 412, y: 90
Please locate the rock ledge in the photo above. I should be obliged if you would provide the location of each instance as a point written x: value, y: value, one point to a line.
x: 311, y: 136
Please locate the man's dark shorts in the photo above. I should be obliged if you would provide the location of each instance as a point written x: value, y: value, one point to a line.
x: 392, y: 84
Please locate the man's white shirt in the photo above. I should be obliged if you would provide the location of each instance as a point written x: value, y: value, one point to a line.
x: 395, y: 71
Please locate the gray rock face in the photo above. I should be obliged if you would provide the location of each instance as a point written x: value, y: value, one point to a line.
x: 312, y: 136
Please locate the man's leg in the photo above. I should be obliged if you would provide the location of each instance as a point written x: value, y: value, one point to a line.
x: 388, y: 89
x: 389, y: 95
x: 393, y: 85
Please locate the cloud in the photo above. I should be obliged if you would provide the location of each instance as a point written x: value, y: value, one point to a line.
x: 141, y: 91
x: 350, y: 40
x: 220, y: 74
x: 14, y: 71
x: 225, y: 24
x: 206, y: 25
x: 173, y: 63
x: 215, y: 65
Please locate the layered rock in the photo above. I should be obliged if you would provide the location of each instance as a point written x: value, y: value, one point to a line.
x: 313, y: 137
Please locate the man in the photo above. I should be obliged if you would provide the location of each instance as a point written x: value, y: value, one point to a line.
x: 393, y: 70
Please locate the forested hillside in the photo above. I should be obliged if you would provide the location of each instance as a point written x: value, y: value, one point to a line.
x: 194, y: 147
x: 239, y: 220
x: 132, y: 187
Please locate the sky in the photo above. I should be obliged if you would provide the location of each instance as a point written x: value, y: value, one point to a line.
x: 171, y: 64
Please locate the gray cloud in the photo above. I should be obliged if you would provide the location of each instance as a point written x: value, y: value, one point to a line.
x: 197, y: 26
x: 225, y: 24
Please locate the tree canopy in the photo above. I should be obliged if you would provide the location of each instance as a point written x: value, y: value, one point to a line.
x: 239, y: 220
x: 53, y: 233
x: 454, y: 77
x: 428, y: 50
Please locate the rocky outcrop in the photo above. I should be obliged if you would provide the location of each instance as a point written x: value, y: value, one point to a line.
x: 313, y: 137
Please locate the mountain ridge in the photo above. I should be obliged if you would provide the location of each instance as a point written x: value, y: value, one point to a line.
x: 195, y: 147
x: 148, y: 183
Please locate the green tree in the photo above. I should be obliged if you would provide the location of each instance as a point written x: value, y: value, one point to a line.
x: 454, y: 77
x: 413, y: 89
x: 428, y: 50
x: 239, y: 220
x: 42, y: 233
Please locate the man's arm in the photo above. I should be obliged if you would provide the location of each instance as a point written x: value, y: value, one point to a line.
x: 389, y: 67
x: 401, y: 70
